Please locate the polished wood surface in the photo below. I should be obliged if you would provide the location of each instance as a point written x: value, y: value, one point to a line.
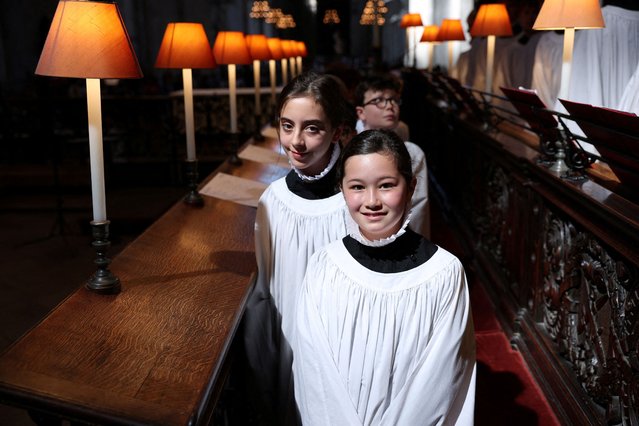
x: 153, y: 354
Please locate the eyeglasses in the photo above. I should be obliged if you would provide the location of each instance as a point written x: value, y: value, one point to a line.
x: 383, y: 102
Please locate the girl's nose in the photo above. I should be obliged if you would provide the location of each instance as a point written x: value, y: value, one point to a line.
x: 372, y: 200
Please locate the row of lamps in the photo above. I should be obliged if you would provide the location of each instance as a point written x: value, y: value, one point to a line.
x: 492, y: 21
x: 87, y: 39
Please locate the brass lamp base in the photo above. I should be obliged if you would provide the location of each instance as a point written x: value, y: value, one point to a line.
x: 193, y: 197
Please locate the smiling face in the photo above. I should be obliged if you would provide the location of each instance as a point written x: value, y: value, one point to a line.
x: 374, y: 117
x: 376, y: 194
x: 306, y: 135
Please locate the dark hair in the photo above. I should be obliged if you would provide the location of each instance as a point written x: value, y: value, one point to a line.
x: 381, y: 141
x: 376, y: 83
x: 327, y: 90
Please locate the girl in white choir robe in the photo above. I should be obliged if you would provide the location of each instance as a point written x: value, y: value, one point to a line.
x: 296, y: 215
x: 384, y: 333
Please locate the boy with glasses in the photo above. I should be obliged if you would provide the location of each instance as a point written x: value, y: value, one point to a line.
x: 377, y: 101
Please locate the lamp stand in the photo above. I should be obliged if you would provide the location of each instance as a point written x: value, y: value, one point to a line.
x: 103, y: 281
x: 566, y: 64
x: 257, y: 134
x: 234, y: 158
x: 193, y: 197
x: 490, y: 60
x: 272, y: 74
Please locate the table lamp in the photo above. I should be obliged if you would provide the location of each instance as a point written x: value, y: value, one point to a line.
x: 230, y: 49
x: 289, y: 49
x: 88, y: 40
x: 301, y: 53
x: 568, y: 15
x: 429, y: 36
x: 410, y: 21
x: 451, y: 30
x: 185, y: 46
x: 259, y: 51
x: 492, y: 20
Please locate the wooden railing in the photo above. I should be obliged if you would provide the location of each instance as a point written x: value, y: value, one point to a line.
x: 559, y: 258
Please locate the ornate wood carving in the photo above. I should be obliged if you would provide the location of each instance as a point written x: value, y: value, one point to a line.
x: 591, y: 311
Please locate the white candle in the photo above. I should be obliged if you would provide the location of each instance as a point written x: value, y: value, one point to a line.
x: 233, y: 98
x: 566, y: 64
x: 271, y: 66
x: 96, y: 156
x: 291, y: 62
x: 490, y: 59
x: 256, y: 80
x: 187, y: 81
x: 284, y: 71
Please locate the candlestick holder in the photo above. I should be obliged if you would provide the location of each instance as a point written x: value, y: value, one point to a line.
x: 234, y: 158
x: 257, y: 134
x: 102, y: 281
x: 193, y: 198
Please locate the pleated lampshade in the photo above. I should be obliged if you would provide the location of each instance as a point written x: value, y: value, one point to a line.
x: 301, y: 49
x: 258, y: 47
x: 451, y: 30
x: 275, y: 46
x: 230, y: 48
x: 430, y: 33
x: 185, y: 45
x: 491, y: 19
x: 88, y: 40
x: 411, y: 20
x: 577, y: 14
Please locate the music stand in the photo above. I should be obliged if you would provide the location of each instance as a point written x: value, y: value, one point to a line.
x: 612, y: 133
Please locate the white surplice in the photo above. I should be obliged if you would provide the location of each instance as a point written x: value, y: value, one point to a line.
x: 384, y: 349
x: 288, y: 230
x: 546, y: 77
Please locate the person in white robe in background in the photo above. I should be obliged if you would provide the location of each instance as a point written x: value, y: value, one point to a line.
x: 296, y: 215
x: 630, y: 99
x: 384, y: 332
x: 605, y: 59
x: 546, y: 75
x: 378, y: 101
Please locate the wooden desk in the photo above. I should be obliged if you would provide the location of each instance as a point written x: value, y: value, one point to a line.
x: 153, y: 354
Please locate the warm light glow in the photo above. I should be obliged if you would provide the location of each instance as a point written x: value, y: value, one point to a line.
x: 230, y: 48
x: 450, y: 30
x: 373, y: 13
x: 185, y: 45
x: 491, y: 19
x: 258, y: 47
x: 301, y: 49
x: 568, y: 15
x: 577, y: 14
x: 289, y: 47
x: 275, y: 46
x: 88, y: 40
x: 331, y: 17
x: 411, y: 20
x: 430, y: 33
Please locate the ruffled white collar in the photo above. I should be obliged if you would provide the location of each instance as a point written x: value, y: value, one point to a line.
x: 357, y: 235
x: 331, y: 163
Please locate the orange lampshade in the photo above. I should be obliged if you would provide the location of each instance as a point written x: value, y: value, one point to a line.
x: 275, y: 46
x: 450, y: 30
x: 88, y: 40
x: 411, y: 20
x: 491, y: 19
x: 430, y: 33
x: 561, y: 14
x: 289, y: 47
x: 230, y: 48
x: 185, y: 45
x: 301, y: 49
x: 258, y: 47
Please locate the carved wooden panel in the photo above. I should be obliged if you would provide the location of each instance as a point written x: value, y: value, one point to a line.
x: 590, y: 310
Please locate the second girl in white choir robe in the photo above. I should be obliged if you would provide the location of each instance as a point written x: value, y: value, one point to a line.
x: 384, y: 333
x: 296, y: 215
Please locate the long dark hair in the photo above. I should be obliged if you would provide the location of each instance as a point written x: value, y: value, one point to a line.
x: 328, y: 91
x: 381, y: 141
